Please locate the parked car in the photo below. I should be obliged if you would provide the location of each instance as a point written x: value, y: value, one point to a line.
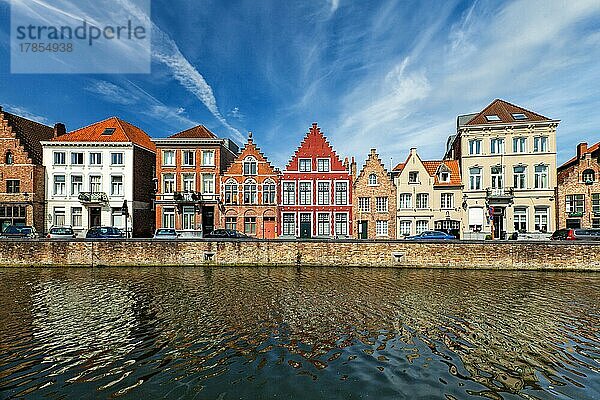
x: 226, y: 234
x: 431, y: 235
x: 19, y: 232
x: 104, y: 232
x: 165, y: 233
x: 61, y: 232
x: 576, y: 234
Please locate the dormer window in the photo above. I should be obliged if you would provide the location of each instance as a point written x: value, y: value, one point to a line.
x: 445, y: 176
x: 250, y: 166
x: 413, y: 177
x: 108, y: 131
x: 372, y: 180
x: 492, y: 118
x: 519, y: 116
x: 588, y: 176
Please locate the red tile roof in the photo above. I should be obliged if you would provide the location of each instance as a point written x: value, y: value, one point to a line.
x: 504, y: 111
x: 197, y: 132
x: 431, y: 166
x: 124, y: 132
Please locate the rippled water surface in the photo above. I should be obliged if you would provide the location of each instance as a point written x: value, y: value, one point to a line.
x: 309, y: 333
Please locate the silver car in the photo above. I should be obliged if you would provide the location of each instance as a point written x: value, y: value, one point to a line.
x: 164, y: 233
x: 61, y: 232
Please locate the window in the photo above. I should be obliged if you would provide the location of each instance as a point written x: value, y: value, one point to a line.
x: 520, y: 218
x: 323, y: 164
x: 341, y: 193
x: 323, y: 195
x: 59, y: 185
x: 413, y: 177
x: 9, y: 159
x: 372, y: 180
x: 108, y: 131
x: 541, y: 219
x: 95, y: 184
x: 519, y: 177
x: 250, y: 225
x: 269, y: 191
x: 168, y: 218
x: 304, y: 165
x: 289, y: 193
x: 168, y: 183
x: 588, y: 176
x: 95, y: 158
x: 231, y: 192
x: 76, y: 158
x: 188, y: 217
x: 596, y: 203
x: 77, y: 216
x: 250, y: 192
x: 59, y: 216
x: 289, y: 224
x: 208, y: 183
x: 231, y: 223
x: 168, y: 158
x: 59, y: 158
x: 421, y: 226
x: 519, y: 116
x: 447, y: 200
x: 323, y: 225
x: 405, y: 200
x: 520, y: 145
x: 475, y: 178
x: 381, y: 228
x: 189, y: 182
x: 116, y: 217
x: 497, y: 177
x: 116, y: 159
x: 381, y: 204
x: 305, y: 192
x: 575, y: 203
x: 596, y: 223
x: 405, y: 228
x: 492, y: 118
x: 116, y: 185
x: 13, y: 186
x: 341, y: 224
x: 540, y: 144
x: 541, y: 177
x: 444, y: 177
x: 364, y: 204
x: 208, y: 158
x: 497, y: 146
x: 422, y: 200
x: 249, y: 166
x: 189, y: 158
x: 474, y: 146
x: 476, y: 219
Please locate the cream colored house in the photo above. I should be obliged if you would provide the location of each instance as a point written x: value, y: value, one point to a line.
x: 429, y: 196
x: 507, y: 158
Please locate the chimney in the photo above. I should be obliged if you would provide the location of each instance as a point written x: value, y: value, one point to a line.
x: 353, y: 169
x: 59, y: 129
x: 581, y: 150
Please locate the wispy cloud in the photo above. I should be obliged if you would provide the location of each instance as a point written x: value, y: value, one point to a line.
x: 112, y: 93
x: 26, y: 113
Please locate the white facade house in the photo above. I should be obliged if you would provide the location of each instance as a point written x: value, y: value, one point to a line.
x: 92, y: 172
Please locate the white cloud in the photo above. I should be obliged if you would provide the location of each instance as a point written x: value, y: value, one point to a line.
x: 25, y: 113
x: 112, y: 93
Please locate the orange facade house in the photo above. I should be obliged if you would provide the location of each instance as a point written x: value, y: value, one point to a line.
x: 249, y: 193
x: 189, y: 165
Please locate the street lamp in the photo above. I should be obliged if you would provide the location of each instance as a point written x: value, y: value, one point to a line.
x: 125, y: 213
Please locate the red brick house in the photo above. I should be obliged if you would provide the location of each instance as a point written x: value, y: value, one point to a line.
x: 189, y: 165
x: 249, y: 193
x: 316, y: 191
x: 22, y: 181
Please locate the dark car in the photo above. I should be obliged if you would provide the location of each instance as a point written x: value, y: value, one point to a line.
x: 576, y: 234
x: 19, y: 232
x: 225, y: 234
x: 431, y: 235
x: 104, y: 232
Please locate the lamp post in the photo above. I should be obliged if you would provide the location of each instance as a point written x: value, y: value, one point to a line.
x: 125, y: 213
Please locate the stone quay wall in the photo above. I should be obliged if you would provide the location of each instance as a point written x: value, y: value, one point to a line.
x: 340, y: 253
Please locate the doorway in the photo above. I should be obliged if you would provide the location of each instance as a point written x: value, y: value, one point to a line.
x: 498, y: 218
x: 269, y: 227
x: 95, y: 215
x: 363, y: 229
x: 208, y: 220
x: 305, y: 225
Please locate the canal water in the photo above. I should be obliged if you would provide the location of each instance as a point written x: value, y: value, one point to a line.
x: 307, y: 333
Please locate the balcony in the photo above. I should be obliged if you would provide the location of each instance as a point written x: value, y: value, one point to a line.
x: 500, y: 195
x: 93, y: 197
x: 194, y: 197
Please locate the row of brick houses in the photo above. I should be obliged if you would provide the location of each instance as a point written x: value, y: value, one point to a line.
x: 498, y: 178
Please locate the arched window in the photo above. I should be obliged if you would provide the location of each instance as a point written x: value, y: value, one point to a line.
x: 250, y: 191
x: 268, y: 191
x: 587, y: 176
x: 231, y: 191
x: 249, y: 165
x: 9, y: 158
x: 373, y: 179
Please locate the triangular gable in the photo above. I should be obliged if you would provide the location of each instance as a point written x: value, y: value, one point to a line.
x: 251, y: 149
x: 504, y: 111
x: 373, y: 156
x: 315, y: 145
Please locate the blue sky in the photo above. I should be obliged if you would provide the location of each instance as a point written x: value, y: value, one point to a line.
x: 386, y: 74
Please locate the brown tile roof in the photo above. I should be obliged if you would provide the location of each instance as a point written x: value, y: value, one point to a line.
x: 123, y: 132
x: 504, y: 111
x: 589, y: 150
x: 431, y: 166
x: 30, y: 133
x: 197, y: 132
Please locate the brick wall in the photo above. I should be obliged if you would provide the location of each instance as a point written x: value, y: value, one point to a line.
x: 404, y: 254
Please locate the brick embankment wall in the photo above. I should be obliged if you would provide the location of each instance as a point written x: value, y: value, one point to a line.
x: 403, y: 254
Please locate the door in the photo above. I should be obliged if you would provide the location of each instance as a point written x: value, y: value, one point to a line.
x: 208, y: 220
x: 269, y: 227
x: 95, y: 217
x: 305, y: 225
x: 363, y: 229
x: 499, y: 223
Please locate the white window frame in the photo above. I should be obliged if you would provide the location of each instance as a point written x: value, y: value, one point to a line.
x: 302, y: 194
x: 323, y: 166
x: 381, y: 228
x: 164, y: 158
x: 302, y: 161
x: 320, y: 201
